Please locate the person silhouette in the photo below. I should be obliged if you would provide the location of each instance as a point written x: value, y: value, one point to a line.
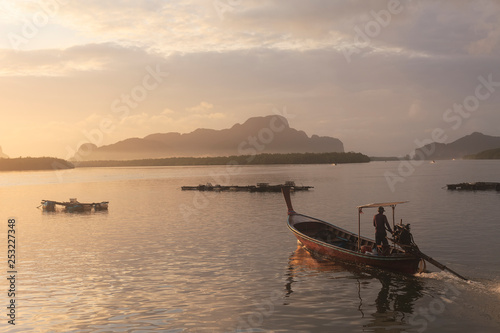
x: 381, y: 224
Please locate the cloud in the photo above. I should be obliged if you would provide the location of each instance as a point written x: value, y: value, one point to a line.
x: 258, y: 56
x: 203, y: 107
x: 327, y: 95
x: 167, y: 111
x: 73, y: 60
x: 417, y: 113
x: 490, y: 29
x: 43, y: 63
x: 424, y: 27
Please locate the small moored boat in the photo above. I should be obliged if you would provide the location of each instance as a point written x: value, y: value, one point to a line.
x: 73, y: 206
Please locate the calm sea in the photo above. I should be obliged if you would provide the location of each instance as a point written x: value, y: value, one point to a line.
x: 162, y: 259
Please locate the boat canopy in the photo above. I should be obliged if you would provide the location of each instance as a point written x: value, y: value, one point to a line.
x: 382, y: 204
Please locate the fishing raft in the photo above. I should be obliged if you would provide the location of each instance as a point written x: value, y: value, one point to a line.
x: 478, y: 186
x: 73, y: 206
x: 260, y: 187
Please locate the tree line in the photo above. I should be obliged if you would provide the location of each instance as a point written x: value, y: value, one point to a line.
x: 34, y: 163
x: 259, y: 159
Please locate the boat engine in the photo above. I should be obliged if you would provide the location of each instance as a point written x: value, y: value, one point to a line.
x: 404, y: 238
x: 402, y: 234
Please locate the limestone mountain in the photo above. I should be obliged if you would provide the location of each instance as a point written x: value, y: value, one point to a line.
x: 467, y: 145
x: 270, y: 134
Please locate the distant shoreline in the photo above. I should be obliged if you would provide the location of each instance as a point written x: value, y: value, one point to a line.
x: 260, y: 159
x: 51, y: 163
x: 34, y: 164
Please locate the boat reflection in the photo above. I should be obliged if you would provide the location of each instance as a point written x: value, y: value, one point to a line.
x: 389, y: 309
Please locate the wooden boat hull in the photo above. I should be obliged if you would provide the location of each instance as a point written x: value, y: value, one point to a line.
x: 344, y: 246
x: 49, y: 206
x: 101, y: 206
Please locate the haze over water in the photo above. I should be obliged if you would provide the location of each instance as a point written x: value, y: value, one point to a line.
x: 162, y: 259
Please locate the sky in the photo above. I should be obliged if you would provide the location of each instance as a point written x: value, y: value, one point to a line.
x: 385, y: 77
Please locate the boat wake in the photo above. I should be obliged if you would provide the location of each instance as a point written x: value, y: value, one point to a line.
x: 487, y: 286
x: 496, y: 288
x: 441, y: 276
x: 482, y: 298
x: 475, y: 299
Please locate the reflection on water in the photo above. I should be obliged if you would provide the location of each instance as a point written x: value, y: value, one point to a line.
x: 394, y: 302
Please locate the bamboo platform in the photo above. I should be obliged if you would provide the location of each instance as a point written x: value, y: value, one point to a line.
x: 260, y: 187
x: 479, y: 186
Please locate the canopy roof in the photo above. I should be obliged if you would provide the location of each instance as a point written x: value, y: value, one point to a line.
x: 382, y: 204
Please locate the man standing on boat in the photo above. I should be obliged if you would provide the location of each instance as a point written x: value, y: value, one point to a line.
x: 380, y: 223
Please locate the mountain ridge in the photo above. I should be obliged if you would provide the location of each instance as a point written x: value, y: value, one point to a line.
x: 490, y: 154
x: 267, y: 134
x: 468, y: 145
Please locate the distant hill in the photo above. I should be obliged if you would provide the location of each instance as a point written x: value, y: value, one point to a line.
x: 468, y: 145
x: 491, y: 154
x: 2, y: 155
x: 270, y: 134
x: 34, y: 163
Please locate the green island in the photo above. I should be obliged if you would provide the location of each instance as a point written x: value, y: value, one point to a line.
x: 34, y: 163
x: 259, y: 159
x: 491, y: 154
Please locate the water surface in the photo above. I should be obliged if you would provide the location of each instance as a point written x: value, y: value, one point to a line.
x: 163, y: 259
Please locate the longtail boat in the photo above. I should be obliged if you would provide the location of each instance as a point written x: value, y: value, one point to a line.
x: 331, y: 242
